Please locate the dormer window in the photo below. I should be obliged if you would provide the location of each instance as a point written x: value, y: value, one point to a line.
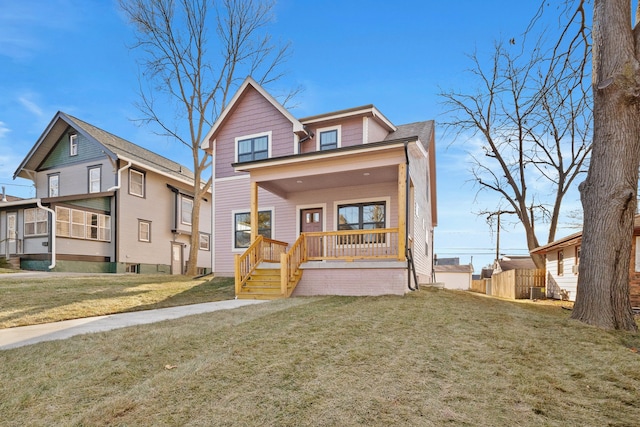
x: 253, y: 147
x: 73, y: 145
x: 329, y: 138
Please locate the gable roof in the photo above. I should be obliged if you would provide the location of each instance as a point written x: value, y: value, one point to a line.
x: 351, y: 112
x: 115, y: 147
x: 516, y: 263
x: 248, y: 83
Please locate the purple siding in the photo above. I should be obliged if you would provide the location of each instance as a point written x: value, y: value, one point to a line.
x: 252, y: 115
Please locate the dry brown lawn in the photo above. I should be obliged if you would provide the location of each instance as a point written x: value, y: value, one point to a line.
x: 431, y: 358
x: 28, y: 300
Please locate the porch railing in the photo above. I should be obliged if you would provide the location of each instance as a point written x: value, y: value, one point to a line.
x: 290, y: 264
x: 352, y: 244
x: 260, y: 250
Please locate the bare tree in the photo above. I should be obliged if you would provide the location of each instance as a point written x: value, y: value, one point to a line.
x: 609, y: 193
x: 183, y: 68
x: 532, y: 113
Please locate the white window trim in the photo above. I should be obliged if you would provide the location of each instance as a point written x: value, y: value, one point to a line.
x: 387, y: 211
x: 329, y: 129
x: 184, y: 198
x: 268, y: 134
x: 148, y: 224
x: 208, y: 242
x: 57, y: 178
x: 132, y: 171
x: 35, y: 222
x: 233, y: 225
x: 73, y: 145
x: 99, y: 169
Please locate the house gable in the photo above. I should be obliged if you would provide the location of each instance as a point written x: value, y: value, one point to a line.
x: 87, y: 150
x: 252, y: 115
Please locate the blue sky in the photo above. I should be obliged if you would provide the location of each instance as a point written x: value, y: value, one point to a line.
x: 72, y: 55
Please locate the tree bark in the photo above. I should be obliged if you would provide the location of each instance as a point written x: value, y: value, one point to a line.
x: 609, y: 192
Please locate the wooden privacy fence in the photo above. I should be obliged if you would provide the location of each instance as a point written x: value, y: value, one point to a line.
x: 479, y: 285
x: 516, y: 284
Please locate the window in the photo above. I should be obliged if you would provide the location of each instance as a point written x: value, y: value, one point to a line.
x: 204, y: 241
x: 186, y: 210
x: 73, y: 145
x: 144, y: 231
x: 54, y: 185
x: 36, y: 222
x: 253, y: 148
x: 242, y: 227
x: 362, y: 216
x: 94, y: 179
x: 560, y: 262
x: 136, y: 183
x: 329, y: 138
x: 79, y: 224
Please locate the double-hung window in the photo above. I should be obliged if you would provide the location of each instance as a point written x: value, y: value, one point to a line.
x: 136, y: 183
x: 186, y: 210
x: 54, y: 185
x: 560, y: 262
x: 204, y: 242
x: 73, y: 145
x: 329, y: 138
x: 242, y: 227
x: 94, y: 179
x: 144, y: 231
x: 36, y: 222
x: 253, y: 148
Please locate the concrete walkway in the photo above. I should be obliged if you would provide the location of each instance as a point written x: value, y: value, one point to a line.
x: 26, y: 335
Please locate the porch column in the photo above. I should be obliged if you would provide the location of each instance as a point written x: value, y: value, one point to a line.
x: 254, y: 211
x: 402, y: 210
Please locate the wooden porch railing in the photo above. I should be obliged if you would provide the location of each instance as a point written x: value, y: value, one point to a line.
x: 290, y: 265
x: 260, y: 250
x: 380, y: 243
x: 352, y: 244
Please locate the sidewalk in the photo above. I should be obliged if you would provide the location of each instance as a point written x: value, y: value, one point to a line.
x: 26, y: 335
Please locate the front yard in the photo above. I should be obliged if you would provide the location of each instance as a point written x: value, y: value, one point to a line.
x: 28, y: 300
x: 430, y: 358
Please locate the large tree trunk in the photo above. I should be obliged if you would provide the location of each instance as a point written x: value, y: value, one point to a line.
x: 609, y: 192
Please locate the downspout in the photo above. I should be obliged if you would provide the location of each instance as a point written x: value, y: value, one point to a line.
x: 53, y: 232
x: 119, y: 181
x: 116, y: 207
x: 406, y: 219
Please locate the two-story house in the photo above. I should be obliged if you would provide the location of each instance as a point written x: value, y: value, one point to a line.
x: 102, y: 204
x: 337, y: 203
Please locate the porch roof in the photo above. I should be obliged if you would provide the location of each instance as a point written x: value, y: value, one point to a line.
x: 354, y: 165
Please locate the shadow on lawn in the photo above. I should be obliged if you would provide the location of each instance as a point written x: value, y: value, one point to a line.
x: 216, y: 289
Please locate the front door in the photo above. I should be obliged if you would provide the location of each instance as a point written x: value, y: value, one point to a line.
x: 176, y: 258
x: 12, y: 232
x: 311, y: 220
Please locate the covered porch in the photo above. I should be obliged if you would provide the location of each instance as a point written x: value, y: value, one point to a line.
x: 339, y: 247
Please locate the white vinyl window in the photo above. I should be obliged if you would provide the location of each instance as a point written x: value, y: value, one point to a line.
x: 94, y: 179
x: 144, y: 231
x: 73, y: 145
x: 36, y: 222
x: 54, y: 185
x: 205, y: 241
x: 186, y: 210
x: 136, y: 183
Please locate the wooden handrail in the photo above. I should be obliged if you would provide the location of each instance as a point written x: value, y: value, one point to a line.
x: 246, y: 263
x: 290, y: 264
x: 271, y: 249
x: 349, y: 245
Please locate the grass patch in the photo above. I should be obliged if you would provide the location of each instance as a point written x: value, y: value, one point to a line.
x: 431, y: 358
x: 29, y: 301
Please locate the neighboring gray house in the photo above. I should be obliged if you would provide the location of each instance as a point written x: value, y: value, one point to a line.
x: 116, y: 206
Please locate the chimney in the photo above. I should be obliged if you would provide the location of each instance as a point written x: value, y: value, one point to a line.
x: 4, y: 194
